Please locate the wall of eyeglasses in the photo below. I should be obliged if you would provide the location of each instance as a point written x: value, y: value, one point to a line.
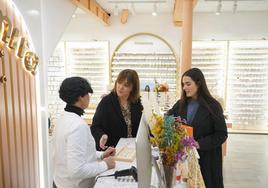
x: 56, y: 74
x: 210, y: 57
x: 151, y: 56
x: 235, y: 71
x: 86, y: 59
x: 237, y: 75
x: 247, y: 91
x: 151, y: 67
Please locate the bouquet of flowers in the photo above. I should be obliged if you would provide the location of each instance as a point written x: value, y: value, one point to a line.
x: 172, y: 139
x: 175, y: 145
x: 162, y: 87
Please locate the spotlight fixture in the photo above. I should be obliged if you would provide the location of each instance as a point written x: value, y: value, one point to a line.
x: 132, y: 8
x: 33, y: 12
x: 116, y: 11
x: 235, y: 6
x: 218, y: 12
x: 154, y: 13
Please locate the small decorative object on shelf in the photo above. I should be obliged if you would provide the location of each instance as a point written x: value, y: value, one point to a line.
x: 175, y: 145
x: 162, y: 88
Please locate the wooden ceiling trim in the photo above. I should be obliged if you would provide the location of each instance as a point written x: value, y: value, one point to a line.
x: 93, y: 7
x: 124, y: 16
x: 177, y: 12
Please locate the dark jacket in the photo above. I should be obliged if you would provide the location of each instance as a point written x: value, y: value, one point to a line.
x: 108, y: 119
x: 210, y: 132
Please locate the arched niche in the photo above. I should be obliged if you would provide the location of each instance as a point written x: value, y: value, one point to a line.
x: 150, y: 55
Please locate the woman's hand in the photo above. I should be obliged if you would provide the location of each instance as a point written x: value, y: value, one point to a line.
x: 103, y: 141
x: 110, y: 162
x: 110, y: 151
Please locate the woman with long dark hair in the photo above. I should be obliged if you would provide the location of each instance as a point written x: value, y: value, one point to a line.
x: 204, y: 113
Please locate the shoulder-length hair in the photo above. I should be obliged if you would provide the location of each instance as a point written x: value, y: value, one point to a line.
x: 133, y: 79
x: 203, y: 95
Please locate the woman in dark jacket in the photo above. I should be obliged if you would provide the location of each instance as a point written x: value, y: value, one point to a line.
x: 118, y: 114
x: 204, y: 113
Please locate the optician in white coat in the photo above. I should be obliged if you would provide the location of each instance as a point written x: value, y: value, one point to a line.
x: 76, y: 161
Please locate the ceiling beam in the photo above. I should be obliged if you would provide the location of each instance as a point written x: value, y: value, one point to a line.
x: 93, y: 7
x: 124, y: 16
x: 177, y: 12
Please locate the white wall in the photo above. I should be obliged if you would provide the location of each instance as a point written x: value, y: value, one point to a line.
x: 206, y: 26
x: 87, y: 27
x: 228, y: 26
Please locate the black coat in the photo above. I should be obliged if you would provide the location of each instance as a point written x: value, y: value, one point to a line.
x: 108, y: 119
x: 210, y: 132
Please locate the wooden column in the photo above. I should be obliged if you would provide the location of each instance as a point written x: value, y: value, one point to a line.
x: 187, y: 28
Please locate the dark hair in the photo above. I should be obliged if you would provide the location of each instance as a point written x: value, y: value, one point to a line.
x: 203, y: 95
x: 133, y: 79
x: 74, y: 87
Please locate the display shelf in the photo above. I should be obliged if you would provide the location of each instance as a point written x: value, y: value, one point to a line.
x: 89, y: 60
x: 210, y: 57
x: 247, y: 96
x: 86, y: 59
x: 151, y: 67
x: 151, y: 56
x: 56, y: 74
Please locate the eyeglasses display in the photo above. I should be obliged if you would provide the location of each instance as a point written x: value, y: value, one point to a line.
x: 247, y: 95
x: 237, y: 71
x: 150, y: 66
x: 56, y: 74
x: 86, y: 59
x: 210, y: 57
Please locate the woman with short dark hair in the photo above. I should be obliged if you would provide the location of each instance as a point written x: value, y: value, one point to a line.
x: 76, y: 161
x: 118, y: 114
x: 200, y: 110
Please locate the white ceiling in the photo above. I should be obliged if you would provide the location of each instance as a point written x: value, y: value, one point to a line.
x: 166, y: 6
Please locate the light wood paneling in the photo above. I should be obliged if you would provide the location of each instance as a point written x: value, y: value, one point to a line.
x: 29, y: 128
x: 23, y: 125
x: 34, y: 128
x: 19, y: 141
x: 4, y: 130
x: 18, y: 117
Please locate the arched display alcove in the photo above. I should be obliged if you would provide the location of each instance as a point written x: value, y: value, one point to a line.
x: 150, y: 55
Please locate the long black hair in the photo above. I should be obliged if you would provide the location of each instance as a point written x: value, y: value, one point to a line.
x: 203, y: 95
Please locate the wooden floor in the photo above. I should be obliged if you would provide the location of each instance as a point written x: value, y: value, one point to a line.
x: 246, y: 163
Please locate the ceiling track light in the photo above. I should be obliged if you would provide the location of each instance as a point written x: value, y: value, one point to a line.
x: 218, y: 12
x: 154, y: 13
x: 235, y: 6
x: 132, y: 8
x: 116, y: 11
